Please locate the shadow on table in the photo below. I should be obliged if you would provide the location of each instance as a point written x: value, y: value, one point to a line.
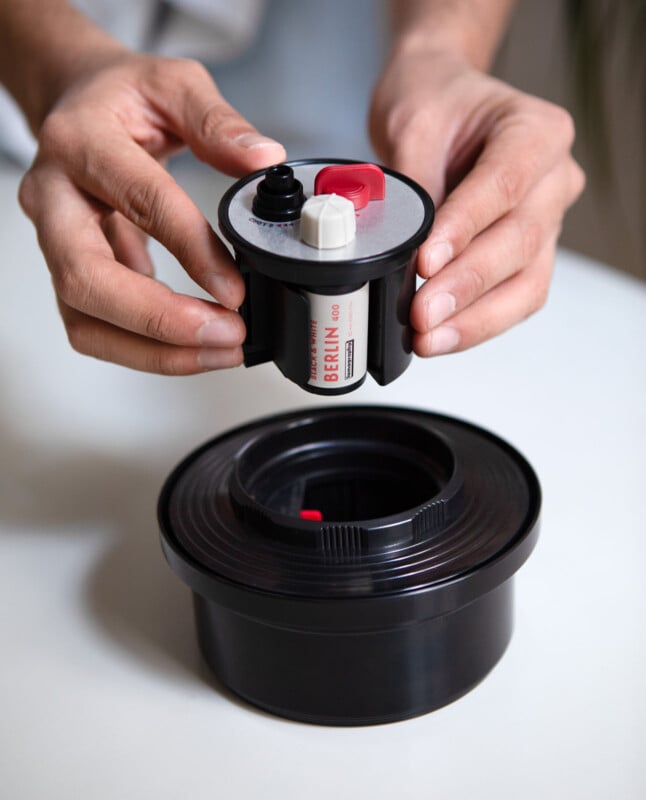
x: 130, y: 593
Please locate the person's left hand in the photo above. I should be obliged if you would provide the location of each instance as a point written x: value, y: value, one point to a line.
x: 497, y: 163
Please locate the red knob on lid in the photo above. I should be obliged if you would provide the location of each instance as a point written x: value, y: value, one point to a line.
x: 360, y: 183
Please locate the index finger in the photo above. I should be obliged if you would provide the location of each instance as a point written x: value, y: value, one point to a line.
x: 125, y: 177
x: 517, y: 154
x: 87, y: 277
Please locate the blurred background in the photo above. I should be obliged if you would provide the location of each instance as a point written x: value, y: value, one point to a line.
x: 586, y: 55
x: 590, y: 56
x: 303, y: 72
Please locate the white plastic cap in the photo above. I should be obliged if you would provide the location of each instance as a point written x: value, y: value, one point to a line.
x: 327, y: 221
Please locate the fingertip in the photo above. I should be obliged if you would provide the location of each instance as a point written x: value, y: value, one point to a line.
x: 431, y: 307
x: 231, y: 145
x: 255, y: 152
x: 434, y: 255
x: 437, y: 342
x: 226, y: 329
x: 421, y: 342
x: 219, y: 358
x: 252, y: 141
x: 227, y: 289
x: 417, y: 311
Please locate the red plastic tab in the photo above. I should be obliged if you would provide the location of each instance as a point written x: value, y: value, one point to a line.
x: 360, y: 183
x: 312, y: 514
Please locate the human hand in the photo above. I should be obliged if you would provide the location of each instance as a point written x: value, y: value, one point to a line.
x: 97, y: 188
x: 497, y: 163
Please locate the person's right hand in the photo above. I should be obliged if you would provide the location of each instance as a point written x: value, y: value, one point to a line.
x: 96, y: 190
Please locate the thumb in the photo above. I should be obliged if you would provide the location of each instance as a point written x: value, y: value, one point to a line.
x: 215, y: 132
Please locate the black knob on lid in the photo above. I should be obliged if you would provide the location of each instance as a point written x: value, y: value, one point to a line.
x: 279, y: 196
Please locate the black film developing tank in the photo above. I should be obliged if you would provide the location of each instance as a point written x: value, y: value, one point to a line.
x: 292, y: 287
x: 397, y: 601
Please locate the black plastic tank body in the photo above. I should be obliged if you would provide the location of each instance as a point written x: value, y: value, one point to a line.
x: 351, y: 565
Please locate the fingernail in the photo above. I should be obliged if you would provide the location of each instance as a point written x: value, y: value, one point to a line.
x: 435, y: 257
x: 444, y: 340
x: 222, y: 288
x: 219, y: 332
x: 439, y: 307
x: 219, y: 358
x: 252, y: 140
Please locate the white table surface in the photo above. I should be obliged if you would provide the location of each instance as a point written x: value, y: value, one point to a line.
x: 102, y: 691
